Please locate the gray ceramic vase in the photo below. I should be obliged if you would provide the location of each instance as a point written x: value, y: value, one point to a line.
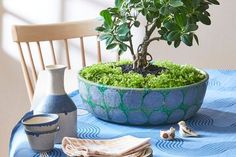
x: 57, y: 101
x: 140, y: 106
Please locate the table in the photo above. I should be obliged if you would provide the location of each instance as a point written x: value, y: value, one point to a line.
x: 215, y: 122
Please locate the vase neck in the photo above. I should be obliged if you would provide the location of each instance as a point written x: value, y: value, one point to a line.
x: 56, y: 79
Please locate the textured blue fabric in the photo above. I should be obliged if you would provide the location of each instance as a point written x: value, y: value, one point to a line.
x: 215, y: 123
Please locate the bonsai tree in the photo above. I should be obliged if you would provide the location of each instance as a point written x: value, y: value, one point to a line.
x: 141, y: 93
x: 174, y: 21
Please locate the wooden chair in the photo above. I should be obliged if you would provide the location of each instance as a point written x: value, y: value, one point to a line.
x: 49, y: 33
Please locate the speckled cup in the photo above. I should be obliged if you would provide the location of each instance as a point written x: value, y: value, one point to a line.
x: 140, y: 106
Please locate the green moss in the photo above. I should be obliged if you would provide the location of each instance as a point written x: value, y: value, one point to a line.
x: 110, y: 74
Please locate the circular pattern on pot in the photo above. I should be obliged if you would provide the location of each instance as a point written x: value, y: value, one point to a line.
x: 133, y: 99
x: 96, y: 95
x: 117, y: 116
x: 112, y: 98
x: 137, y: 117
x: 158, y: 117
x: 174, y: 99
x: 153, y: 100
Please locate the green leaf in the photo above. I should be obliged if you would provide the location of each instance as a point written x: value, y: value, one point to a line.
x: 111, y: 46
x: 172, y: 36
x: 181, y: 19
x: 214, y: 2
x: 196, y: 3
x: 123, y: 47
x: 171, y: 26
x: 193, y: 19
x: 100, y: 29
x: 109, y: 40
x: 120, y: 52
x: 114, y: 11
x: 162, y: 31
x: 107, y: 17
x: 204, y: 19
x: 104, y: 36
x: 196, y: 38
x: 158, y: 23
x: 164, y: 36
x: 133, y: 1
x: 176, y: 3
x: 191, y: 27
x: 118, y: 3
x: 152, y: 9
x: 123, y: 29
x: 207, y: 13
x: 164, y: 10
x: 169, y: 42
x: 203, y: 7
x: 187, y: 39
x: 136, y: 23
x: 177, y: 43
x: 157, y: 3
x: 150, y: 17
x: 123, y: 38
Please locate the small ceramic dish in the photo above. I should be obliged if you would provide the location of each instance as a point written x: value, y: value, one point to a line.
x: 41, y: 122
x: 42, y: 141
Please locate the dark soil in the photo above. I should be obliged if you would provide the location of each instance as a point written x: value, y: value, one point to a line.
x: 151, y: 69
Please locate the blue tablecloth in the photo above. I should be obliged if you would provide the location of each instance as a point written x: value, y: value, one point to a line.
x: 215, y: 122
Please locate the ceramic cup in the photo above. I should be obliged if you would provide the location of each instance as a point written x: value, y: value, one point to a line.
x: 42, y: 141
x: 41, y: 122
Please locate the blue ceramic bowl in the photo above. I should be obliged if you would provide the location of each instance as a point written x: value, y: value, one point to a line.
x: 41, y: 122
x: 142, y: 106
x: 42, y: 141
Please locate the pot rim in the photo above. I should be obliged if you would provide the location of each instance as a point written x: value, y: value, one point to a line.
x: 150, y: 89
x: 54, y: 120
x: 55, y: 67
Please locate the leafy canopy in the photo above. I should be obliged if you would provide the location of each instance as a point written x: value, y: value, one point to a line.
x: 175, y: 21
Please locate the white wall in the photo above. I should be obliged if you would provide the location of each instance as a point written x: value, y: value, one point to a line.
x: 217, y: 47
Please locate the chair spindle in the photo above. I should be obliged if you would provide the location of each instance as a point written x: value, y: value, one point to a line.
x: 67, y: 54
x: 53, y: 52
x: 40, y: 56
x: 99, y: 51
x: 34, y: 74
x: 82, y: 51
x: 25, y: 72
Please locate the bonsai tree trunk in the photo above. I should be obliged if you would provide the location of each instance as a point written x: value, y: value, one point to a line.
x: 142, y: 60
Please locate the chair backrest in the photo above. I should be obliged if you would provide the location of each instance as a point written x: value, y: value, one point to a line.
x: 25, y: 34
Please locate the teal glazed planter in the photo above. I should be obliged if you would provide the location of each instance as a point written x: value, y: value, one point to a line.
x: 140, y: 106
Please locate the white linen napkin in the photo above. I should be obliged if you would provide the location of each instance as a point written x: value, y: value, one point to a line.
x: 126, y: 146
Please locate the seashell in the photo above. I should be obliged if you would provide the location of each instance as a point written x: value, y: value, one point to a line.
x: 185, y: 131
x: 168, y: 134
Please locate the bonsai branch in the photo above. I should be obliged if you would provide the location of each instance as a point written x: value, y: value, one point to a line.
x: 131, y: 48
x: 131, y: 45
x: 141, y: 60
x: 146, y: 39
x: 153, y: 27
x: 153, y: 39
